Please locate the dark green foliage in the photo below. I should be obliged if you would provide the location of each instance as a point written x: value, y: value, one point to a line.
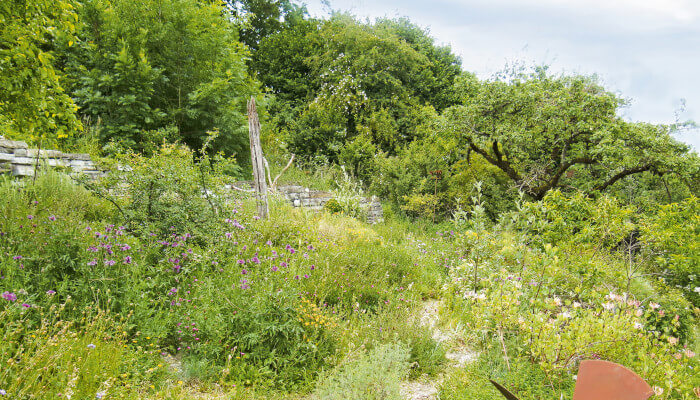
x: 143, y: 66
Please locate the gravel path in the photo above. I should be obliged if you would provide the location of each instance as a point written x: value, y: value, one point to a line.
x: 458, y: 356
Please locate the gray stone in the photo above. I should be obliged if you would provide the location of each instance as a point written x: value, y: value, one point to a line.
x: 13, y: 144
x: 22, y: 170
x: 6, y: 156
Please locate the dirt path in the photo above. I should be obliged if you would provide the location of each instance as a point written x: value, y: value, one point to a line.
x: 458, y: 356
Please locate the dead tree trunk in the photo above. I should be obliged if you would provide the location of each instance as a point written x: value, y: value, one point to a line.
x: 256, y: 158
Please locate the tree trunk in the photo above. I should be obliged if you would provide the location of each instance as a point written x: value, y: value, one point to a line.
x: 256, y: 159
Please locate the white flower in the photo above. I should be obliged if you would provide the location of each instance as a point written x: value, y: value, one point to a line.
x: 654, y: 306
x: 608, y: 306
x: 638, y: 325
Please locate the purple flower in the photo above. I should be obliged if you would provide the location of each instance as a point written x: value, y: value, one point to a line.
x: 269, y: 243
x: 274, y: 269
x: 127, y: 260
x: 296, y: 277
x: 91, y: 346
x: 255, y: 260
x: 125, y: 247
x: 176, y: 268
x: 50, y: 292
x: 9, y: 296
x: 244, y: 271
x: 241, y: 262
x: 3, y: 392
x: 313, y: 267
x: 25, y: 305
x: 93, y: 249
x: 109, y: 263
x: 17, y: 257
x: 283, y: 264
x: 228, y: 234
x: 30, y: 216
x: 52, y: 217
x: 93, y: 262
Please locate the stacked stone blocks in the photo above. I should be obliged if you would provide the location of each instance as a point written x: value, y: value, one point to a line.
x: 19, y: 160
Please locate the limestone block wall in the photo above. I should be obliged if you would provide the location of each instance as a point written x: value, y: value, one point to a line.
x: 301, y: 196
x: 18, y: 159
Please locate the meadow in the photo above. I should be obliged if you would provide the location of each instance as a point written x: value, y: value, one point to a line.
x: 155, y: 291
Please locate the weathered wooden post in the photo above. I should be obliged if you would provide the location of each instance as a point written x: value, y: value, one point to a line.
x: 257, y: 160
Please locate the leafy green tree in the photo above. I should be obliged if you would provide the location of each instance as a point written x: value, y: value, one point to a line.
x: 33, y: 103
x: 371, y: 79
x: 149, y: 65
x: 261, y: 18
x: 547, y: 132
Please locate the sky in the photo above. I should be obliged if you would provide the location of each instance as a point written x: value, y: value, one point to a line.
x: 647, y: 51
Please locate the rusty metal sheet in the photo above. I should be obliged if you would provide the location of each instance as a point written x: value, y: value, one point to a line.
x: 599, y: 380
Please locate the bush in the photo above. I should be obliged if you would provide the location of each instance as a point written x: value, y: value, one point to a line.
x: 374, y: 375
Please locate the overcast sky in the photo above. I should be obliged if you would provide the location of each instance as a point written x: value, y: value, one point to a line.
x: 648, y: 51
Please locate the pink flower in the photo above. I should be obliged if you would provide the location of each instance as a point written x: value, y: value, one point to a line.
x: 9, y: 296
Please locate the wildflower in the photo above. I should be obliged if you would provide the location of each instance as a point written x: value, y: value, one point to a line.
x: 672, y: 340
x: 127, y: 260
x: 17, y: 257
x: 110, y: 263
x: 99, y: 395
x: 125, y: 247
x: 93, y: 262
x: 25, y: 305
x: 608, y: 306
x: 91, y: 346
x: 3, y: 392
x: 274, y: 268
x: 654, y: 306
x: 638, y: 325
x: 30, y: 217
x: 658, y: 390
x: 244, y: 271
x: 689, y: 353
x: 313, y: 267
x: 9, y: 296
x: 50, y: 292
x: 52, y: 217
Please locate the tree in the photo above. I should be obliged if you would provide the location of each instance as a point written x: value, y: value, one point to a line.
x: 33, y: 104
x: 376, y: 80
x: 548, y: 132
x: 161, y: 65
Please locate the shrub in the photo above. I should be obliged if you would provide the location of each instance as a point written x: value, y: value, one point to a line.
x: 374, y: 375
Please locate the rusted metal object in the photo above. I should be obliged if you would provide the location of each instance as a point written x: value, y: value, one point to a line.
x: 606, y: 380
x: 599, y: 380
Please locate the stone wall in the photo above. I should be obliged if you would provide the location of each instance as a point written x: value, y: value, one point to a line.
x: 301, y: 196
x: 16, y: 158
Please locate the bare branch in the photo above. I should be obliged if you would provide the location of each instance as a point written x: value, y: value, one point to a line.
x: 289, y: 164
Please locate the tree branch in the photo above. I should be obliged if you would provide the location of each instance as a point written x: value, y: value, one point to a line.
x: 622, y: 174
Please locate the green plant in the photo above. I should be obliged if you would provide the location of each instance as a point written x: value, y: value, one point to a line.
x: 371, y: 376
